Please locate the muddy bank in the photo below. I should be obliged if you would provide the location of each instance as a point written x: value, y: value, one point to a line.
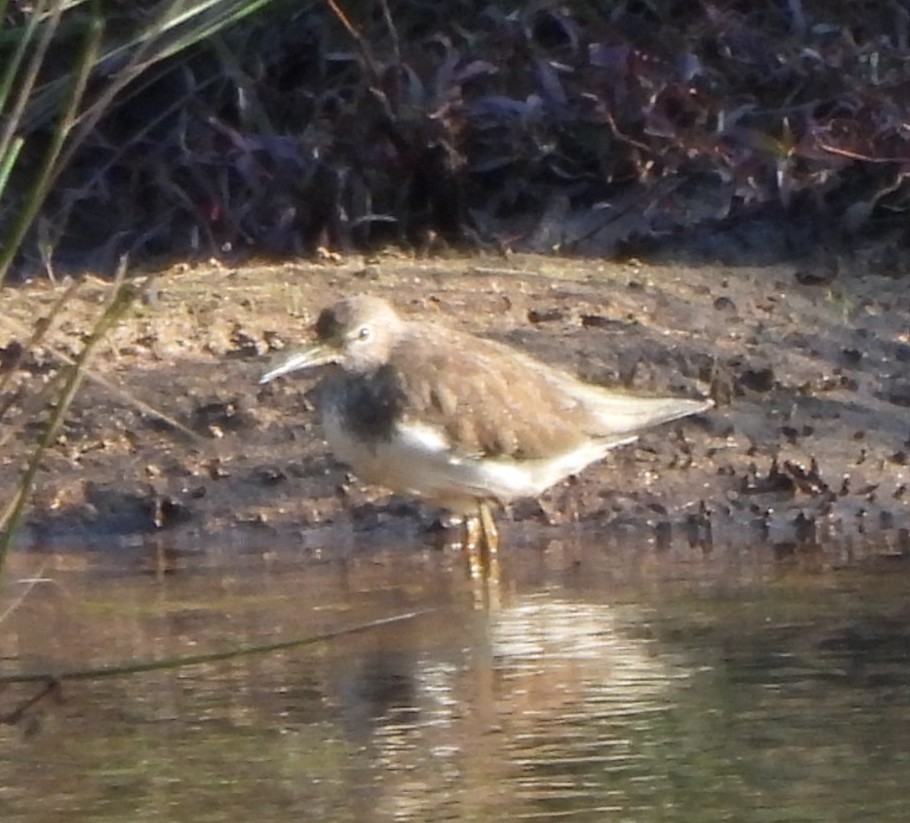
x: 810, y: 439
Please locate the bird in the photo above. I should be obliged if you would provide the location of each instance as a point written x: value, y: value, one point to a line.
x: 460, y: 421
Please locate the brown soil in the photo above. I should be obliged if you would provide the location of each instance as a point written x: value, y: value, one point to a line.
x: 810, y: 439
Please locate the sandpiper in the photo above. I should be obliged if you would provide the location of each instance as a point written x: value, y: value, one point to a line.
x: 458, y: 420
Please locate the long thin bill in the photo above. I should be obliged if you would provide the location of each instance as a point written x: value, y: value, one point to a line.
x: 307, y: 359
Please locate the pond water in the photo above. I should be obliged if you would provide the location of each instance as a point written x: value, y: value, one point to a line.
x: 590, y: 681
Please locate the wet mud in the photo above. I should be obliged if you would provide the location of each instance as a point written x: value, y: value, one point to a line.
x: 809, y: 442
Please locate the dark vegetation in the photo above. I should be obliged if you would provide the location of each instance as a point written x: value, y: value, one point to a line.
x: 288, y: 127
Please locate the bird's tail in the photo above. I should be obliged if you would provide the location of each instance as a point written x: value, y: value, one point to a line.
x: 620, y: 413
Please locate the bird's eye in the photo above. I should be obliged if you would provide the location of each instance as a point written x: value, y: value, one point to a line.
x: 364, y: 333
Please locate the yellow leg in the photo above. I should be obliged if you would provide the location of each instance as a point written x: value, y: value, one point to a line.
x: 488, y: 528
x: 473, y: 551
x: 473, y: 532
x: 481, y: 545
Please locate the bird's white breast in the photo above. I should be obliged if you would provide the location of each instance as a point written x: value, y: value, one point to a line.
x: 418, y: 459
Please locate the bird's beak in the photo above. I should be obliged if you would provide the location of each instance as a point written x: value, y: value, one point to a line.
x: 318, y: 355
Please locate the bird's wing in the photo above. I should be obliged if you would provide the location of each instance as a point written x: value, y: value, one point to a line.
x: 486, y: 398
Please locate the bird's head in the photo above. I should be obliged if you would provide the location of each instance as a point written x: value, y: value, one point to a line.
x: 356, y: 334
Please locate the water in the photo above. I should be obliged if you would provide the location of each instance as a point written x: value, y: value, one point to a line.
x: 591, y: 682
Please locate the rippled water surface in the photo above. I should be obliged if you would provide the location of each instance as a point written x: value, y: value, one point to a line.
x: 589, y: 682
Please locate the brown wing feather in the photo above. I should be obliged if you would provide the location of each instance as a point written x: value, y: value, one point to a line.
x: 480, y: 393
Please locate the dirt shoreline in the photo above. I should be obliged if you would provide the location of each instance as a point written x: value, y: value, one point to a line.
x: 809, y: 443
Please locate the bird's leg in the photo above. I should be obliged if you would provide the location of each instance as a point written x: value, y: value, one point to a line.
x: 481, y: 542
x: 473, y: 551
x: 473, y: 532
x: 488, y: 528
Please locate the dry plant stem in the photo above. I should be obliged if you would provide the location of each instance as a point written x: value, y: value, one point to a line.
x: 8, y: 160
x: 31, y: 582
x: 393, y: 32
x: 106, y: 384
x: 362, y: 45
x: 73, y: 126
x: 9, y: 75
x: 51, y: 165
x: 236, y: 11
x: 211, y: 657
x: 14, y: 119
x: 127, y: 60
x: 15, y: 716
x: 42, y: 327
x: 122, y: 298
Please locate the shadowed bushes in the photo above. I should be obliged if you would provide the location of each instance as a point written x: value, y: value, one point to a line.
x: 279, y: 128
